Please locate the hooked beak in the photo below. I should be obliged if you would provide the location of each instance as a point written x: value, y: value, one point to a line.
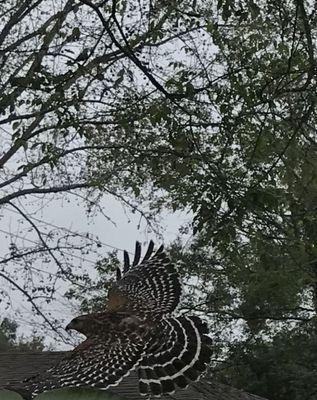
x: 68, y: 327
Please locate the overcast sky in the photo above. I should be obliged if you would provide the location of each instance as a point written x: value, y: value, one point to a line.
x: 121, y: 233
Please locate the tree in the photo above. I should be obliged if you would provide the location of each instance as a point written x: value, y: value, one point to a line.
x: 204, y: 106
x: 236, y: 146
x: 64, y: 79
x: 10, y: 341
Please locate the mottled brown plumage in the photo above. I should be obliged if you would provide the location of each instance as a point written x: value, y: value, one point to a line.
x: 136, y: 331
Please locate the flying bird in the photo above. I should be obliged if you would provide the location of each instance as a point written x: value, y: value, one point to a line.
x: 138, y: 330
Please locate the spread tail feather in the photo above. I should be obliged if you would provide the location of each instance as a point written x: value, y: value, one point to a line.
x: 181, y: 356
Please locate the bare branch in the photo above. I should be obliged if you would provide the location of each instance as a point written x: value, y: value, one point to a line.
x: 56, y: 189
x: 30, y: 299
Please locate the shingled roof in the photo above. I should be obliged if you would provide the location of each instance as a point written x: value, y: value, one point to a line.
x: 14, y: 367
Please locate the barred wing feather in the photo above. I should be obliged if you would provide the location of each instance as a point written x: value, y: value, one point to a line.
x: 151, y: 285
x: 97, y: 362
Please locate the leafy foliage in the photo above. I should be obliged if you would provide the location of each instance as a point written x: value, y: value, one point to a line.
x: 10, y: 341
x: 282, y: 368
x: 207, y: 106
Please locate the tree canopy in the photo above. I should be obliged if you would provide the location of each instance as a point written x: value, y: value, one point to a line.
x: 11, y: 341
x: 202, y: 106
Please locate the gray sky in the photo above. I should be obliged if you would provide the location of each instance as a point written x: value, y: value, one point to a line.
x: 73, y: 216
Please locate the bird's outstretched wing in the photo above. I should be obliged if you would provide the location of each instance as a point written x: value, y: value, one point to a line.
x: 151, y: 286
x: 98, y: 362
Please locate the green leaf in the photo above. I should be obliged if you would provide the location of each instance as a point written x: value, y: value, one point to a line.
x: 190, y: 90
x: 9, y: 395
x: 15, y: 125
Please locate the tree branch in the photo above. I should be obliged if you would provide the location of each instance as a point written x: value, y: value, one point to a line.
x: 65, y: 273
x: 36, y: 307
x: 55, y: 189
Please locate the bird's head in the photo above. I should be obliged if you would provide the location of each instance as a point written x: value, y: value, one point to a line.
x: 96, y: 323
x: 82, y: 324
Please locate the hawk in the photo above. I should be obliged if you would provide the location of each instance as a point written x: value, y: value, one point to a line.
x: 137, y: 330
